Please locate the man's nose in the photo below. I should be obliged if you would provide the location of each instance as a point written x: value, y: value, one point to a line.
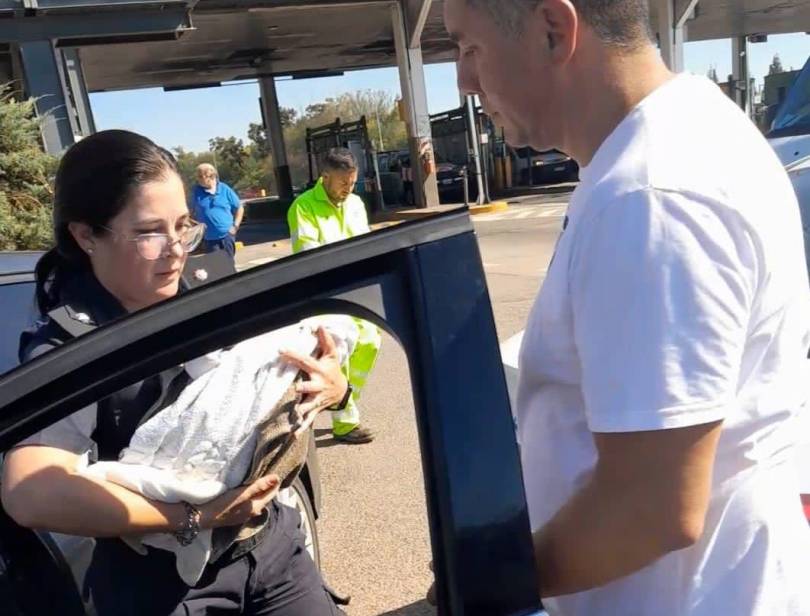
x: 467, y: 78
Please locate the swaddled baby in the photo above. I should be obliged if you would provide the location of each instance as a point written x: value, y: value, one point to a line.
x: 232, y: 423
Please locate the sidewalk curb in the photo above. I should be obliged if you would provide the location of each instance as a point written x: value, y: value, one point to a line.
x: 417, y: 214
x: 487, y: 208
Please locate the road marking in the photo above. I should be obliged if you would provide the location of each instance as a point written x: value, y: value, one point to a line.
x: 262, y: 261
x: 526, y: 212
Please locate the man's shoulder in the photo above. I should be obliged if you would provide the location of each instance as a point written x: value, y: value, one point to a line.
x: 708, y: 151
x: 354, y: 201
x: 226, y: 188
x: 306, y: 201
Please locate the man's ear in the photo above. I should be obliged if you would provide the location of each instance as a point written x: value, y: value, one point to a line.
x: 83, y: 235
x: 560, y: 22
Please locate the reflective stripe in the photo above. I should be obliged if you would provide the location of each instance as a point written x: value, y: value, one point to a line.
x: 314, y: 221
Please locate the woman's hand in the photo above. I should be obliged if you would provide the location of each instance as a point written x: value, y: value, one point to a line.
x: 239, y: 505
x: 326, y: 386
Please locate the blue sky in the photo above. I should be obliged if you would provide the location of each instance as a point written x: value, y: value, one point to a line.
x: 189, y: 118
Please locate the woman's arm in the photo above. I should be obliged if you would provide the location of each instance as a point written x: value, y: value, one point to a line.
x: 43, y: 489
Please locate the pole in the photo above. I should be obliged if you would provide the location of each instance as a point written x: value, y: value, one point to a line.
x: 466, y: 187
x: 379, y: 127
x: 475, y: 152
x: 271, y: 114
x: 485, y: 154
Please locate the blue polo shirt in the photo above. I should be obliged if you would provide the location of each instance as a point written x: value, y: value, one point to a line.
x: 216, y: 209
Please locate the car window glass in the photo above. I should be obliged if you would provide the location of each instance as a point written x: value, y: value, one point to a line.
x: 17, y: 300
x: 375, y: 488
x: 794, y: 114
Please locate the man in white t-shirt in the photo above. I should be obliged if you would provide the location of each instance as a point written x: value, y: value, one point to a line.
x: 662, y: 369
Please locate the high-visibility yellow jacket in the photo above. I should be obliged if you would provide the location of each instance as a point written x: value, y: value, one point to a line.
x: 314, y: 220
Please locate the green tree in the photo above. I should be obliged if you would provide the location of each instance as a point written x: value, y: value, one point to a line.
x: 256, y: 174
x: 26, y: 196
x: 260, y: 141
x: 187, y: 163
x: 251, y: 166
x: 259, y: 137
x: 385, y: 129
x: 230, y: 156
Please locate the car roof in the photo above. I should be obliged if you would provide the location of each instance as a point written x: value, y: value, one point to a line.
x: 18, y: 262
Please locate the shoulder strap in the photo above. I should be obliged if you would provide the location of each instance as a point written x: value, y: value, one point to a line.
x: 74, y: 323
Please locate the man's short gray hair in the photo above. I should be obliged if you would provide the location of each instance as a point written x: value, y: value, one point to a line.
x: 619, y: 23
x: 207, y: 168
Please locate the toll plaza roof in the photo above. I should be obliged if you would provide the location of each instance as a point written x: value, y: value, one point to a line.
x: 718, y: 19
x: 235, y: 39
x: 227, y: 40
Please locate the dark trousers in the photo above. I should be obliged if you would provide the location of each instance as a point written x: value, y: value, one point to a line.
x: 227, y: 243
x: 407, y: 193
x: 277, y: 578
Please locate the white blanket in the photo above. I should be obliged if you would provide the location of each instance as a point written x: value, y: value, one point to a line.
x: 203, y: 444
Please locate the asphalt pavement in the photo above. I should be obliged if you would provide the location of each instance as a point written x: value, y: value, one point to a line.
x: 373, y: 531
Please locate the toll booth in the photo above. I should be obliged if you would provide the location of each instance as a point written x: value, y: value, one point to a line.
x: 503, y: 167
x: 451, y: 143
x: 354, y: 137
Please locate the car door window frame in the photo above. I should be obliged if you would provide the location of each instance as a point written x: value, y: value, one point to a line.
x: 423, y: 282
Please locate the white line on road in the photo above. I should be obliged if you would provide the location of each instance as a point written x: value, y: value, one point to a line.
x: 556, y: 210
x: 257, y: 262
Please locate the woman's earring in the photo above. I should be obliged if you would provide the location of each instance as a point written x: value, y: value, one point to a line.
x: 89, y: 251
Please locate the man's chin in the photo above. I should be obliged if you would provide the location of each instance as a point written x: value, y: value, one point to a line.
x: 515, y: 138
x: 521, y: 139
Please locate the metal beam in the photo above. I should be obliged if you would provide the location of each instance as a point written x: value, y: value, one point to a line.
x: 417, y: 13
x: 414, y: 96
x: 82, y: 118
x: 43, y: 77
x: 276, y: 5
x: 671, y: 35
x: 52, y: 6
x: 684, y: 11
x: 122, y: 26
x: 272, y: 124
x: 740, y: 80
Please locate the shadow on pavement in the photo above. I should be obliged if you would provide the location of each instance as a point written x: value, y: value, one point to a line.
x: 261, y: 232
x: 421, y: 608
x: 539, y: 191
x: 324, y: 438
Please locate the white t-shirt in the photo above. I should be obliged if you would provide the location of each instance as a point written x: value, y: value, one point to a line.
x: 677, y: 297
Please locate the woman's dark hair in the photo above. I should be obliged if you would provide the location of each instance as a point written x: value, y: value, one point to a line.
x: 94, y: 182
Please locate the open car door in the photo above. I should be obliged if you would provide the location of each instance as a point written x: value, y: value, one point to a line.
x: 421, y: 281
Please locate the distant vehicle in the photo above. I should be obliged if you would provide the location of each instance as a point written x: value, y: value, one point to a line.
x: 790, y: 138
x: 548, y: 167
x: 450, y: 178
x: 449, y: 175
x: 252, y: 193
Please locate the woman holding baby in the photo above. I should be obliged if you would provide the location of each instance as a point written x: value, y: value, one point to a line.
x: 123, y: 233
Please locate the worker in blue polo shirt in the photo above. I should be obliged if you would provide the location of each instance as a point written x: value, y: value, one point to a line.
x: 217, y: 205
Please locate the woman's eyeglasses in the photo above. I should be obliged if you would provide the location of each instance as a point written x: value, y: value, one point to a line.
x: 153, y: 246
